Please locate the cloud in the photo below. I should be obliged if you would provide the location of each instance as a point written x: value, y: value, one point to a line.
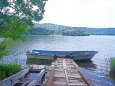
x: 83, y: 13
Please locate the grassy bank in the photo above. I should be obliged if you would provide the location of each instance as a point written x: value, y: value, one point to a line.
x: 7, y: 70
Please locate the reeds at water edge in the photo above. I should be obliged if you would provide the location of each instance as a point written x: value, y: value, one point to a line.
x: 7, y: 70
x: 112, y: 64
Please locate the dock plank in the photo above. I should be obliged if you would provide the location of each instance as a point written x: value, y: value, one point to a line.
x: 67, y: 73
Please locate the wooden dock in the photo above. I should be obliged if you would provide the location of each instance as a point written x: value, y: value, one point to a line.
x: 65, y: 72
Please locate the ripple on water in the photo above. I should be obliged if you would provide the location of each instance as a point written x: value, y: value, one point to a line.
x: 97, y: 70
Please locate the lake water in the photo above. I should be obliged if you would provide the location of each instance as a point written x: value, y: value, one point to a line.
x: 97, y: 69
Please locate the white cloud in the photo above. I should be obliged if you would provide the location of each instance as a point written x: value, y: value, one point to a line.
x: 84, y: 13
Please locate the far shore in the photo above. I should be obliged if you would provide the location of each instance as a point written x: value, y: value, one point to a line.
x: 50, y: 35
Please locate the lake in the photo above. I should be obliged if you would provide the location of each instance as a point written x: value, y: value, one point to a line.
x: 97, y: 69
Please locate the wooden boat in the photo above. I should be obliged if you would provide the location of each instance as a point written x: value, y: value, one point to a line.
x: 32, y: 76
x: 75, y: 55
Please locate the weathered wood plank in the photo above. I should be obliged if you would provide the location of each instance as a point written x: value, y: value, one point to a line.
x: 25, y: 83
x: 66, y: 73
x: 37, y: 79
x: 88, y: 81
x: 67, y: 80
x: 51, y: 75
x: 6, y: 83
x: 64, y: 64
x: 78, y: 84
x: 59, y: 82
x: 13, y: 79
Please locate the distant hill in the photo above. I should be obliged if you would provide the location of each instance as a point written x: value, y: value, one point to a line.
x: 93, y: 31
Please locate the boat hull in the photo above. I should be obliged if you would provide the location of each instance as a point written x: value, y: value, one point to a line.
x: 75, y: 55
x: 83, y: 56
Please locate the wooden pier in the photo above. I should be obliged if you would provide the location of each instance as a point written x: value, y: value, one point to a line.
x: 65, y: 72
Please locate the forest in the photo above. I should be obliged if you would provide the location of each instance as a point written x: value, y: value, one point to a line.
x: 74, y: 32
x: 44, y: 31
x: 59, y: 28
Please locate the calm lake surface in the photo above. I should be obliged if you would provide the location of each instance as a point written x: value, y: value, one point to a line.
x: 97, y: 69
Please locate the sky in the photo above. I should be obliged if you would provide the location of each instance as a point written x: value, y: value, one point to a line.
x: 80, y: 13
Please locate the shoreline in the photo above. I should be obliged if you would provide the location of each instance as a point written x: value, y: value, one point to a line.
x: 49, y: 35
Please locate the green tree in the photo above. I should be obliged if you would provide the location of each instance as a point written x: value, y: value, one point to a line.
x: 74, y: 32
x: 16, y: 15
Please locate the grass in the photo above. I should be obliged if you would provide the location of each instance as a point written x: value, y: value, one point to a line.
x: 112, y: 64
x: 7, y: 70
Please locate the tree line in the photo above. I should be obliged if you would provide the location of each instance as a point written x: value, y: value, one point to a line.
x: 44, y: 31
x: 93, y: 31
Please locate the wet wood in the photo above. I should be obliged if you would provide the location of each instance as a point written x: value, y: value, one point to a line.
x: 49, y: 82
x: 67, y: 80
x: 24, y: 83
x: 13, y: 79
x: 21, y: 78
x: 65, y: 72
x: 88, y: 81
x: 37, y: 79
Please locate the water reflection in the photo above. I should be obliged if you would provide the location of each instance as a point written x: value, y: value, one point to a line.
x: 39, y: 61
x: 112, y: 75
x: 98, y: 70
x: 87, y: 64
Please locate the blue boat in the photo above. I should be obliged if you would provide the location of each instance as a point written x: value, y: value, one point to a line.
x: 75, y: 55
